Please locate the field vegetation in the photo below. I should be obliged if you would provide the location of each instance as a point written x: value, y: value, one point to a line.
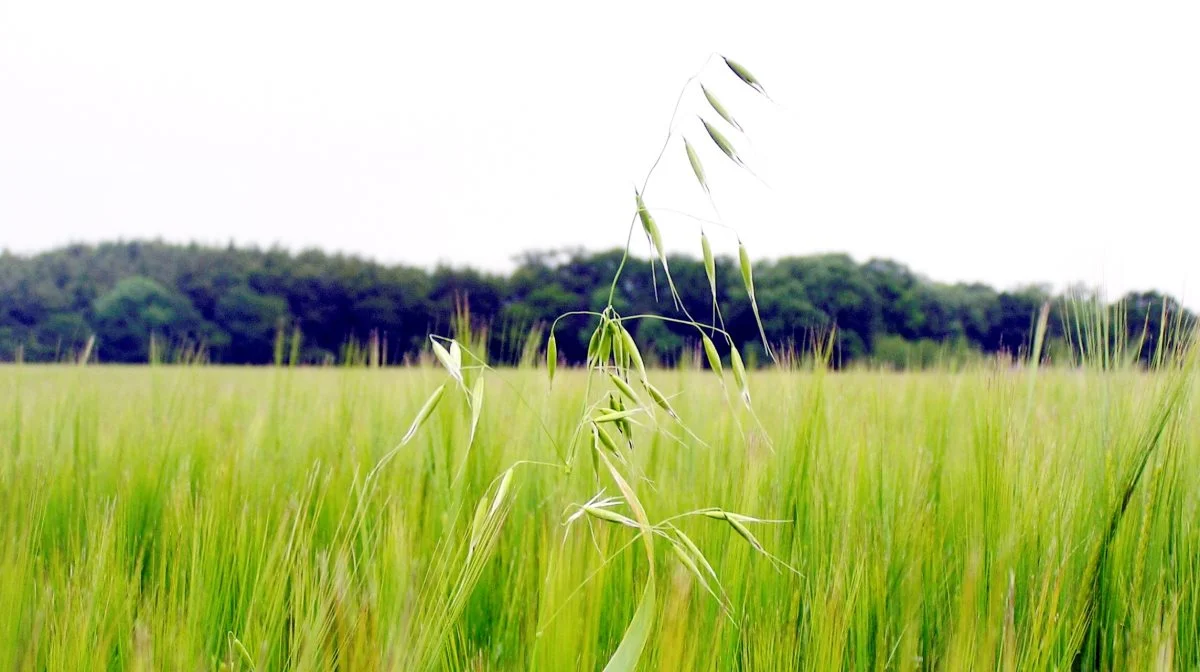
x: 1031, y: 511
x: 176, y: 517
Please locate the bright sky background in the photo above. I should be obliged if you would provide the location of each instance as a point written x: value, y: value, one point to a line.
x: 1006, y: 143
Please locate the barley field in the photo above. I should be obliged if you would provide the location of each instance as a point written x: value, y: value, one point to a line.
x: 163, y: 518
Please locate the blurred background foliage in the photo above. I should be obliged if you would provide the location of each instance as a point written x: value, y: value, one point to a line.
x: 234, y: 303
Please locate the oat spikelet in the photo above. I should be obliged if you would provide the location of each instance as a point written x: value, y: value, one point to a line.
x: 745, y: 75
x: 719, y: 108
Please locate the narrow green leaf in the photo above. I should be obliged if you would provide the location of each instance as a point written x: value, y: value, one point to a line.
x: 637, y: 634
x: 629, y: 651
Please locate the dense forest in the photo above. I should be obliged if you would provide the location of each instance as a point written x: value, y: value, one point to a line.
x: 231, y: 304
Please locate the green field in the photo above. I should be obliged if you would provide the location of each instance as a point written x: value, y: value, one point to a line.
x: 199, y: 518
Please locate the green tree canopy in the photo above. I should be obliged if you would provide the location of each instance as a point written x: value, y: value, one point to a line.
x: 138, y: 309
x: 233, y: 300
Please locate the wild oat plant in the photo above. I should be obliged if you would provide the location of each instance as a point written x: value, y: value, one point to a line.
x: 616, y: 516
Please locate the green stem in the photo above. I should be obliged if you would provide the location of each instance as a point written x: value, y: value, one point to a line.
x: 666, y: 143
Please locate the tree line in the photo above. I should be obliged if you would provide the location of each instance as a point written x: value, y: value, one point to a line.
x: 233, y: 303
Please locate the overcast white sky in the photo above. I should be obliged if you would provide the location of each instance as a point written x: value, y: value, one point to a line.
x: 1017, y: 142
